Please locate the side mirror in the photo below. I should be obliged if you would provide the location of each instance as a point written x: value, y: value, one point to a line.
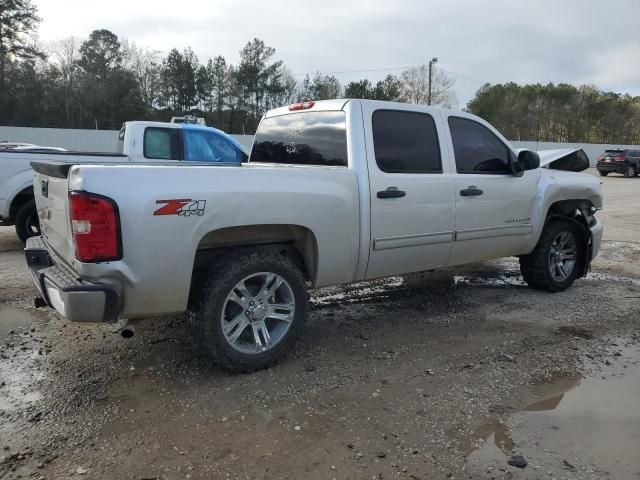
x: 527, y: 160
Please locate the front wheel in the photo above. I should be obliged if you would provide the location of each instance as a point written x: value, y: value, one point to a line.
x: 27, y: 223
x: 558, y: 258
x: 249, y: 310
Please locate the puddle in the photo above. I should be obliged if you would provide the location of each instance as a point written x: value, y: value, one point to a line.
x: 508, y: 279
x: 611, y: 278
x: 492, y: 274
x: 617, y: 245
x: 14, y: 319
x: 589, y: 426
x: 356, y: 292
x: 19, y: 359
x: 509, y: 275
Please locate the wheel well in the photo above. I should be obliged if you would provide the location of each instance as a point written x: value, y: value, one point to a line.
x: 577, y: 210
x: 18, y: 201
x: 293, y: 241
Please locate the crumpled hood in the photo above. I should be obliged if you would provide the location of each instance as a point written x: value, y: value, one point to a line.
x: 569, y: 159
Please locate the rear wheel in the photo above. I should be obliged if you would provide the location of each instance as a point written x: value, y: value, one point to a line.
x: 602, y: 173
x: 249, y: 310
x: 558, y: 258
x: 27, y: 223
x: 630, y: 171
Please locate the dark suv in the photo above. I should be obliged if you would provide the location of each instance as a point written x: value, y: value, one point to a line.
x: 623, y: 161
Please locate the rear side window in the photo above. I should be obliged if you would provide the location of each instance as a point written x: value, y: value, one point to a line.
x: 309, y: 138
x: 406, y: 142
x: 206, y: 146
x: 477, y: 149
x: 161, y: 143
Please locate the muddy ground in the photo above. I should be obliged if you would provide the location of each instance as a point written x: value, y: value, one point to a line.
x: 450, y: 374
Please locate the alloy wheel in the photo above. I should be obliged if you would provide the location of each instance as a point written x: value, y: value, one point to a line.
x: 258, y: 312
x: 562, y: 256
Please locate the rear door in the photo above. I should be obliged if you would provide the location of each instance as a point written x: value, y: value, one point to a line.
x: 411, y: 185
x: 493, y: 208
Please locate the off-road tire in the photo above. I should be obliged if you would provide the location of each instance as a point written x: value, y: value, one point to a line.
x: 208, y: 297
x: 535, y: 266
x: 602, y: 173
x: 27, y: 213
x: 630, y: 171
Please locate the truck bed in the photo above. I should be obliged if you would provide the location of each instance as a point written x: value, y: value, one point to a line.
x: 155, y: 242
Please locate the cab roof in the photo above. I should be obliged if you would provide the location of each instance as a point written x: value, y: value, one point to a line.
x: 340, y: 103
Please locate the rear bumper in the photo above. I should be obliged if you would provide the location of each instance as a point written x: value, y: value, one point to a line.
x: 611, y: 167
x: 63, y: 290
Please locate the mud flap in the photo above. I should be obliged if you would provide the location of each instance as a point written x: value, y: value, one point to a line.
x: 589, y: 256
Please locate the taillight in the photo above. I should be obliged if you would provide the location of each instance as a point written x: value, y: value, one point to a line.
x: 301, y: 106
x: 95, y: 223
x: 619, y: 158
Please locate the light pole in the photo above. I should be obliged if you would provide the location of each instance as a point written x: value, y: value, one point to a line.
x: 431, y: 62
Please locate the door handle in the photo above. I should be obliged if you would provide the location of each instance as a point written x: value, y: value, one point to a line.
x: 471, y: 191
x: 44, y: 188
x: 391, y: 192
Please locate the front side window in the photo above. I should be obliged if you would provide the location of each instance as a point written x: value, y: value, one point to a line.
x: 477, y: 149
x: 206, y: 146
x: 406, y: 142
x: 161, y: 143
x: 307, y: 138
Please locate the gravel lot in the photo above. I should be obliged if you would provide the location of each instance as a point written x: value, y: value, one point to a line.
x: 447, y: 374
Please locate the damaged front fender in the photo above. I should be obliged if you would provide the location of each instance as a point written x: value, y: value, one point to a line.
x: 568, y: 159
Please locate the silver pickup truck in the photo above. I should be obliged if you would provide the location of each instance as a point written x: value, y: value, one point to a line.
x: 334, y: 192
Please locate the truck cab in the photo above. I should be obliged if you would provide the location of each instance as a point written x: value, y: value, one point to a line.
x: 154, y: 141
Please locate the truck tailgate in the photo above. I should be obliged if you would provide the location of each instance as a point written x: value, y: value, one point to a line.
x: 51, y: 191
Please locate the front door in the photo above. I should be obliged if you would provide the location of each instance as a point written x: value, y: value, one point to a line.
x: 494, y: 208
x: 412, y: 207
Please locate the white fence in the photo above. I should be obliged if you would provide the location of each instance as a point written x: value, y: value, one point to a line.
x: 105, y: 140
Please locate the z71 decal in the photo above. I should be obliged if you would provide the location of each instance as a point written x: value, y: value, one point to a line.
x: 181, y: 206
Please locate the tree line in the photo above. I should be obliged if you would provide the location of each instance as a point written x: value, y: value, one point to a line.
x: 559, y: 113
x: 104, y: 80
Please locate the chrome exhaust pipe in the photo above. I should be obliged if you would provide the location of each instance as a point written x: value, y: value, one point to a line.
x: 127, y: 332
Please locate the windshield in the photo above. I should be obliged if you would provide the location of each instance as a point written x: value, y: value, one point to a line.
x: 210, y: 146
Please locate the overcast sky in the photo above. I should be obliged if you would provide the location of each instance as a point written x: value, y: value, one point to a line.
x: 573, y: 41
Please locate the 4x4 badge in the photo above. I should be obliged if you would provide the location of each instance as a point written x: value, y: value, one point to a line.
x: 181, y: 206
